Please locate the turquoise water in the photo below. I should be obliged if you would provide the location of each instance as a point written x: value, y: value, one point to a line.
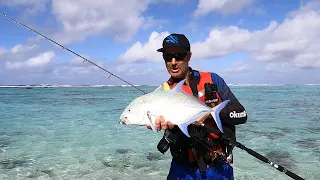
x: 73, y: 133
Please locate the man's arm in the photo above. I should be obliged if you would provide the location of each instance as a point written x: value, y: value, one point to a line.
x: 234, y: 113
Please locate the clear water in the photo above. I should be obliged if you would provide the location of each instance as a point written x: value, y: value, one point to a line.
x: 73, y: 133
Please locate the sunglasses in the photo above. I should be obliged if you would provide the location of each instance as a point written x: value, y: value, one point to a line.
x: 178, y: 56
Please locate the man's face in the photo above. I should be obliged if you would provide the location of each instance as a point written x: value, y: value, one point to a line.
x: 177, y: 61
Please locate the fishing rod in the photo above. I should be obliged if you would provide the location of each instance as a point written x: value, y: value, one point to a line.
x: 253, y: 153
x: 67, y: 49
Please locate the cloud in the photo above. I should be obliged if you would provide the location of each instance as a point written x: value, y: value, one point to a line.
x: 238, y: 67
x: 81, y: 18
x: 139, y: 72
x: 220, y: 42
x: 73, y: 69
x: 287, y: 46
x: 147, y: 52
x: 38, y: 61
x: 119, y: 19
x: 19, y: 48
x: 151, y: 22
x: 42, y: 68
x: 280, y: 68
x: 169, y: 1
x: 295, y: 40
x: 19, y: 52
x: 151, y: 74
x: 222, y: 6
x: 225, y: 40
x: 132, y: 69
x: 78, y: 66
x: 3, y: 51
x: 12, y: 3
x: 26, y: 63
x: 31, y: 7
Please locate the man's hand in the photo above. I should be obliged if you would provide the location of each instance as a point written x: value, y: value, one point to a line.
x: 161, y: 124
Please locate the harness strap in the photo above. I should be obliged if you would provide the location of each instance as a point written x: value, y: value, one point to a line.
x: 201, y: 164
x: 194, y: 81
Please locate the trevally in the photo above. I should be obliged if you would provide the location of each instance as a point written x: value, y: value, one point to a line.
x: 174, y: 105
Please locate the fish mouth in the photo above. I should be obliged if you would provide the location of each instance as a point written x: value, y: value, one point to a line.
x: 123, y: 121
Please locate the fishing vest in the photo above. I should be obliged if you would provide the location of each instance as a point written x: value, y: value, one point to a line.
x: 197, y: 82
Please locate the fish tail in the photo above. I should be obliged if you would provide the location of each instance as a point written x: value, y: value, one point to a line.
x: 215, y: 113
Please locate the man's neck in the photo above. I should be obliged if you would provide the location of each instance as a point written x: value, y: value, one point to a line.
x: 176, y: 80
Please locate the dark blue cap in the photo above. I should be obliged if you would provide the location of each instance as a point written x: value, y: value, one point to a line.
x: 175, y: 40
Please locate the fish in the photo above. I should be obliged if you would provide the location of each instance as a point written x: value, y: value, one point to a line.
x: 175, y: 105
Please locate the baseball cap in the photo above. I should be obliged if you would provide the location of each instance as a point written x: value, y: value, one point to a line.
x: 175, y: 40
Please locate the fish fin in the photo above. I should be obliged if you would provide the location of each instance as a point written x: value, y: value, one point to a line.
x: 163, y: 87
x: 159, y: 88
x: 178, y: 87
x: 215, y: 113
x: 184, y: 126
x: 150, y: 119
x: 201, y: 120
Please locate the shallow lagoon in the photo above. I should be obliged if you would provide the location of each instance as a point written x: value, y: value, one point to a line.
x: 73, y: 133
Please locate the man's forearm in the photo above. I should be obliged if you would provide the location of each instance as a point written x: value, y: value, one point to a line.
x: 233, y: 114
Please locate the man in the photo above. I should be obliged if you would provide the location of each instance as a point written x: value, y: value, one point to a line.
x: 205, y: 155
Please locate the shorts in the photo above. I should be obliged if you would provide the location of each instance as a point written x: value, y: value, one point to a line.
x: 184, y: 172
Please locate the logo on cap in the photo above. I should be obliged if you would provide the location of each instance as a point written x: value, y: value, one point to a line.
x: 172, y: 39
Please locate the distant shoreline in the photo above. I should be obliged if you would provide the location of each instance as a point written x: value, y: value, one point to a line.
x: 93, y: 86
x: 63, y: 86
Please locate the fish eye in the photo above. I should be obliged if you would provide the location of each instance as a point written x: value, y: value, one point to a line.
x: 129, y: 110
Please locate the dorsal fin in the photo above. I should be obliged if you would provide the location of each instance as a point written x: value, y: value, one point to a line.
x: 178, y: 87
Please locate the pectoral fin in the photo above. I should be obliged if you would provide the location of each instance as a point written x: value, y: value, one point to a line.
x: 178, y: 87
x: 151, y: 121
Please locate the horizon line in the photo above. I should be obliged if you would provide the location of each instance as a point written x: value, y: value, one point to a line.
x: 125, y: 85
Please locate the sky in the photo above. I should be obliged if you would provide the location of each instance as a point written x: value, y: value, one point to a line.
x: 243, y: 41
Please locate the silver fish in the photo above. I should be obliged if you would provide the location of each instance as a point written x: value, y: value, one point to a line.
x: 174, y: 105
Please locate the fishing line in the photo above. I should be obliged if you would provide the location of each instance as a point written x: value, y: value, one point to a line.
x: 69, y: 50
